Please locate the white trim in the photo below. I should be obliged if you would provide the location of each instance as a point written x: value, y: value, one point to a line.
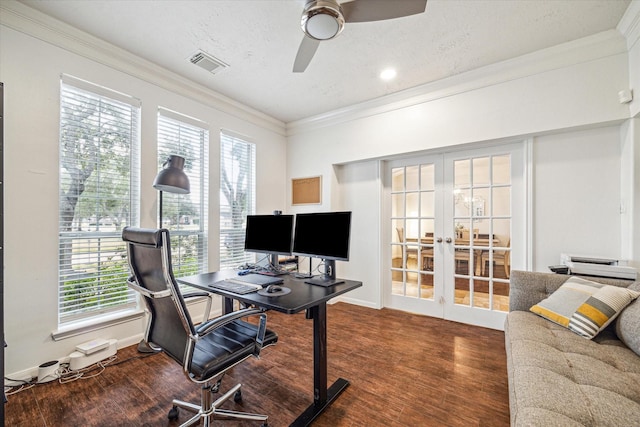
x: 604, y: 44
x: 528, y: 185
x: 82, y: 327
x: 24, y: 19
x: 629, y: 24
x: 174, y: 115
x: 100, y: 90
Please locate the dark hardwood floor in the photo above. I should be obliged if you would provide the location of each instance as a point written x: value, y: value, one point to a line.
x: 404, y: 369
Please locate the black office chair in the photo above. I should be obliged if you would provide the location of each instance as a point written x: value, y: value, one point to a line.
x: 205, y: 351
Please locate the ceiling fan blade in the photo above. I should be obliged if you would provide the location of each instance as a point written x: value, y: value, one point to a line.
x: 379, y: 10
x: 306, y: 51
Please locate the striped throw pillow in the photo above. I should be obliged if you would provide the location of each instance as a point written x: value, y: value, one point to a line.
x: 583, y: 306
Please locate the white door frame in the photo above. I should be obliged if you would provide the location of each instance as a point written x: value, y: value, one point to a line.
x: 443, y: 304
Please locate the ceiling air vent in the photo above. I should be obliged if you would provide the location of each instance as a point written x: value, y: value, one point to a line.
x: 208, y: 62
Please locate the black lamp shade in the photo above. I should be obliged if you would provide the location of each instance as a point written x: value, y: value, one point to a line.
x: 172, y: 178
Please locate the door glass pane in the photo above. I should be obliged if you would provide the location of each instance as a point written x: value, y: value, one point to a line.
x: 397, y: 205
x: 397, y: 179
x: 481, y: 171
x: 427, y: 177
x: 426, y: 230
x: 501, y: 170
x: 481, y: 293
x: 480, y: 202
x: 461, y: 232
x: 413, y: 182
x: 462, y: 291
x: 413, y: 231
x: 501, y: 201
x: 427, y: 204
x: 426, y: 286
x: 462, y: 172
x: 462, y: 200
x: 463, y: 261
x: 413, y: 213
x: 502, y: 232
x: 501, y: 296
x: 482, y: 241
x: 397, y: 231
x: 412, y: 204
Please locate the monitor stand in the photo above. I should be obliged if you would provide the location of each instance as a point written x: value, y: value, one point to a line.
x: 328, y: 278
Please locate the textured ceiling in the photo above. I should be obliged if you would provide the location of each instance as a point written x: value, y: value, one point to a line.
x: 259, y: 40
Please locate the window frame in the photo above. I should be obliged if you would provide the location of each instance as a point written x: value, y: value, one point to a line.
x: 233, y: 224
x: 79, y: 300
x: 186, y: 131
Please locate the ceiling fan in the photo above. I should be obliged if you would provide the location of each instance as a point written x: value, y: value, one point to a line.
x: 325, y: 19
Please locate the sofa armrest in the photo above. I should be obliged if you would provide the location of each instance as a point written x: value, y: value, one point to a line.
x: 527, y: 288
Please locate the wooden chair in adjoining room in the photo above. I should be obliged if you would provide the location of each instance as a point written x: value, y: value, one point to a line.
x: 499, y: 258
x: 408, y: 251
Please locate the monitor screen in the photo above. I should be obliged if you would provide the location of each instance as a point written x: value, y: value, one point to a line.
x: 323, y: 235
x: 270, y: 234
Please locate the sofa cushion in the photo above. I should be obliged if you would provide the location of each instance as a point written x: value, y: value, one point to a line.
x: 558, y: 378
x: 628, y: 324
x: 583, y: 306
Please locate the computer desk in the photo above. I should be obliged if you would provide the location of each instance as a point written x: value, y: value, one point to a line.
x: 303, y: 296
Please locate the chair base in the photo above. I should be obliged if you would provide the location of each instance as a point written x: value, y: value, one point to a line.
x: 208, y: 410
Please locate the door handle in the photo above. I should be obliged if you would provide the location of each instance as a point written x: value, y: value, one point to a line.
x: 448, y: 240
x: 439, y: 240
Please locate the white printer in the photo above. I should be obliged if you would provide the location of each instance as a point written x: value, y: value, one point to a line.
x: 598, y: 266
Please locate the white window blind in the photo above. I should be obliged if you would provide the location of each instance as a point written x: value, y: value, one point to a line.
x: 237, y: 197
x: 185, y: 215
x: 99, y: 181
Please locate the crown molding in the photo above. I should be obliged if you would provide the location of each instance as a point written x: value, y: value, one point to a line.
x: 24, y: 19
x: 583, y: 50
x: 629, y: 25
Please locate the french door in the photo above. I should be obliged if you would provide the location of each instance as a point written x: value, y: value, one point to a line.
x: 451, y: 219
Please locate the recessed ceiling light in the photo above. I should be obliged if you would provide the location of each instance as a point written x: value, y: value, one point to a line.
x: 388, y: 74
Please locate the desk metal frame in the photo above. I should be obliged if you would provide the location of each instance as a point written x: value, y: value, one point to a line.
x: 303, y: 296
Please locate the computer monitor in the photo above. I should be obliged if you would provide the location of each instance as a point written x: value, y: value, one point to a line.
x: 323, y: 235
x: 269, y: 234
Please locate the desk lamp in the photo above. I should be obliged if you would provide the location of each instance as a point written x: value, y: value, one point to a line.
x: 171, y: 179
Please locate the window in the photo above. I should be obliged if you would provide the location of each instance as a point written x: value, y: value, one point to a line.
x: 237, y: 197
x: 99, y: 181
x: 185, y: 215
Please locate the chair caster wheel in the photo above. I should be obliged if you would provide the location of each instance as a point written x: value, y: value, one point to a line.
x: 237, y: 397
x: 173, y: 413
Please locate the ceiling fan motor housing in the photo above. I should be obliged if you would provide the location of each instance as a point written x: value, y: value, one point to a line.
x: 322, y: 19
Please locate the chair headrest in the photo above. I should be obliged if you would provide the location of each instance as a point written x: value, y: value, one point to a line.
x: 143, y: 236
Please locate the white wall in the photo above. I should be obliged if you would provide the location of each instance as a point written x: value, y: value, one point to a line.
x: 572, y: 103
x: 30, y: 70
x: 576, y: 195
x: 360, y: 187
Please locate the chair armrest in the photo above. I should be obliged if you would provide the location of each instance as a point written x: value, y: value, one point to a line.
x: 131, y: 282
x: 207, y: 310
x: 218, y: 322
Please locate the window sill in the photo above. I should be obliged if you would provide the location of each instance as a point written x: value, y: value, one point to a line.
x: 82, y: 327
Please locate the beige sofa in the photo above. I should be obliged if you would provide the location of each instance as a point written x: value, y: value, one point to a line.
x: 558, y: 378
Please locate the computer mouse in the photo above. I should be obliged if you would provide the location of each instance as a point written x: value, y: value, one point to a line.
x: 273, y: 288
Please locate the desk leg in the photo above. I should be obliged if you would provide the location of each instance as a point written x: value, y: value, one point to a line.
x: 227, y: 305
x: 322, y: 397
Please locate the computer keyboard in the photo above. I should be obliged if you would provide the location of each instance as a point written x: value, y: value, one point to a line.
x: 258, y: 279
x: 235, y: 286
